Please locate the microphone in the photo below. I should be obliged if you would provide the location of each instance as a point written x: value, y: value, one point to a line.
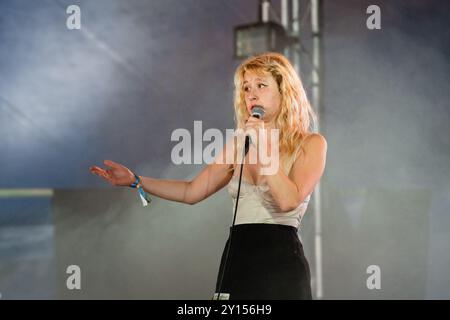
x: 257, y: 112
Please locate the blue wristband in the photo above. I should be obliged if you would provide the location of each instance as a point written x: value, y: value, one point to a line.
x: 136, y: 182
x: 145, y: 198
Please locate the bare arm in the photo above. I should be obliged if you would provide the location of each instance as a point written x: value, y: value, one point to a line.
x: 211, y: 179
x: 290, y: 191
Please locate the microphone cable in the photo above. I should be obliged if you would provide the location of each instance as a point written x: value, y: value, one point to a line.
x: 247, y: 144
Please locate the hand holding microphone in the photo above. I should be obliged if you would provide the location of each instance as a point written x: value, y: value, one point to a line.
x: 254, y: 123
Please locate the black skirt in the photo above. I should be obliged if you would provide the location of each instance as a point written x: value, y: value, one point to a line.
x: 265, y: 262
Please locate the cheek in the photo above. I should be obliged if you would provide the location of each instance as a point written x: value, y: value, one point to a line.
x: 275, y: 101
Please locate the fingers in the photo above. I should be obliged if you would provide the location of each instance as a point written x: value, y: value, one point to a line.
x: 254, y: 119
x: 253, y: 124
x: 95, y: 169
x: 100, y: 172
x: 108, y: 173
x: 255, y: 128
x: 111, y: 164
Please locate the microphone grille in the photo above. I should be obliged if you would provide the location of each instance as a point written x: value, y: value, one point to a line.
x: 258, y: 112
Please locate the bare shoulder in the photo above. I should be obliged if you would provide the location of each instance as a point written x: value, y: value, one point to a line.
x: 313, y: 149
x: 315, y: 142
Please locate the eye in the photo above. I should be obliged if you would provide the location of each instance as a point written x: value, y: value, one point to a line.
x: 261, y: 85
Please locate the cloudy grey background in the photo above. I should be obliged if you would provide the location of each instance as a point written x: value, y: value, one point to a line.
x: 137, y: 70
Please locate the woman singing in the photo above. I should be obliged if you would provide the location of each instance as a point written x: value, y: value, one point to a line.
x: 263, y: 258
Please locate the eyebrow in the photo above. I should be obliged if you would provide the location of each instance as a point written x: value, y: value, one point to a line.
x: 255, y: 79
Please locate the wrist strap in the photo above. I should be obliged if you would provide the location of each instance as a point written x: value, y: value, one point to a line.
x: 136, y: 182
x: 145, y: 197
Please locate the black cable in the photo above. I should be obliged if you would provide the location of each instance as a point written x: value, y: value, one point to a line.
x: 247, y: 144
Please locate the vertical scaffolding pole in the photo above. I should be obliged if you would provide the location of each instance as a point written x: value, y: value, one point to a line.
x: 296, y: 34
x: 291, y: 23
x: 264, y: 7
x: 286, y: 23
x: 316, y: 7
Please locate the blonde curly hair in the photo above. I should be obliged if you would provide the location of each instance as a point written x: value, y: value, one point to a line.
x: 296, y: 118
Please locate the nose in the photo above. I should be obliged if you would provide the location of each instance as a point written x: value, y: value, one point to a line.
x: 252, y: 96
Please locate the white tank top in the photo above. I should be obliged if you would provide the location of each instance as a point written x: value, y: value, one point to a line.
x: 256, y: 204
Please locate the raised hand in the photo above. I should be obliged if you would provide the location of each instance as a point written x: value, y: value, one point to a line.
x: 115, y: 173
